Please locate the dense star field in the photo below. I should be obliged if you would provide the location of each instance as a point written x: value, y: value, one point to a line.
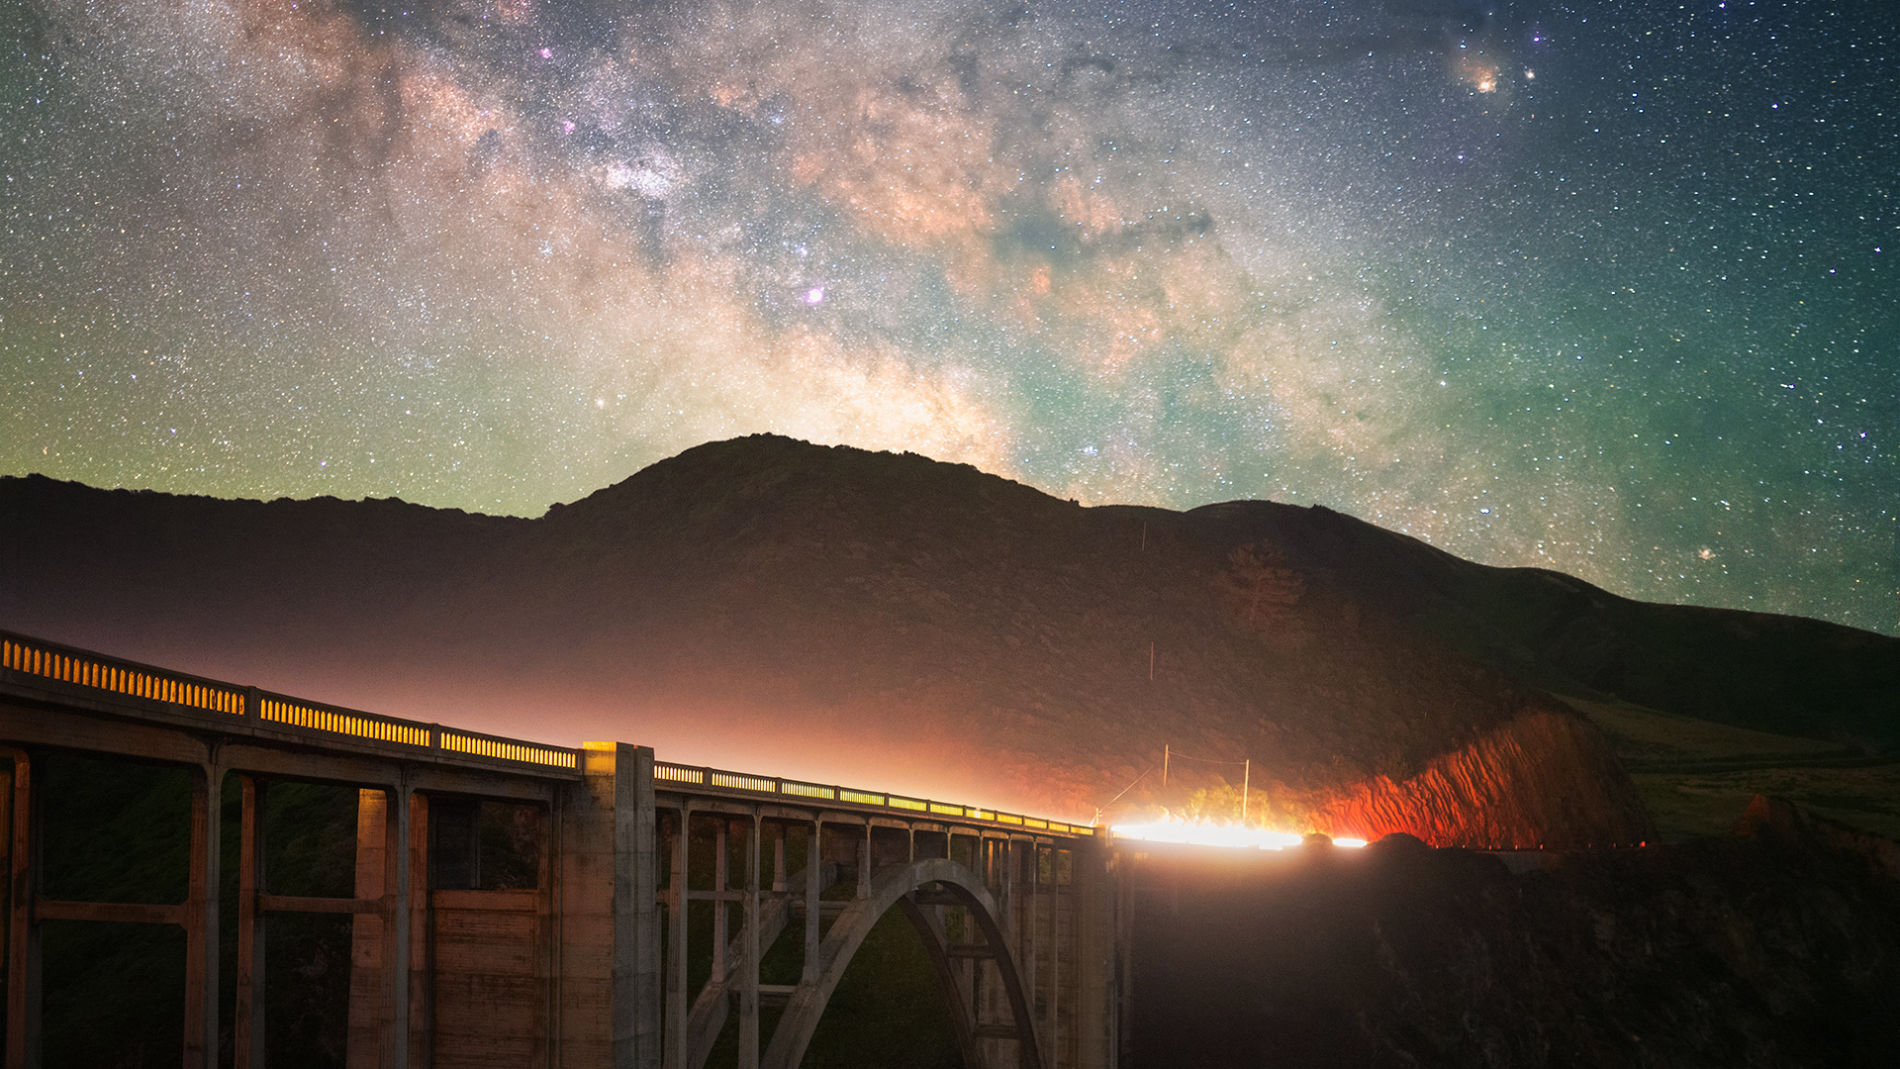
x: 1603, y: 287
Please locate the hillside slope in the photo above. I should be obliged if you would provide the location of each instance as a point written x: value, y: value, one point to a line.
x: 888, y: 619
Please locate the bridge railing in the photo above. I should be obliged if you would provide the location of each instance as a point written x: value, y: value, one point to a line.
x: 65, y: 664
x: 748, y: 783
x: 36, y: 657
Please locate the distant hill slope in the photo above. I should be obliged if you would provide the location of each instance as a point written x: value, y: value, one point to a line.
x: 1786, y: 674
x: 888, y: 619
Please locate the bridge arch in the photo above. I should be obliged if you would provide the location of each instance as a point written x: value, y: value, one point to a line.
x: 915, y: 888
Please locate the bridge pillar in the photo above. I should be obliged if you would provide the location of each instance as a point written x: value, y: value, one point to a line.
x: 248, y: 1027
x: 749, y: 951
x: 23, y: 936
x: 201, y: 920
x: 397, y: 912
x: 380, y: 950
x: 609, y: 977
x: 676, y: 1000
x: 1096, y: 996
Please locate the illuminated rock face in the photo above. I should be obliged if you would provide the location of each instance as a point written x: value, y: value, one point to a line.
x: 1544, y: 779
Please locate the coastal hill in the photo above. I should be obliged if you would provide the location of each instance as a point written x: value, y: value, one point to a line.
x: 889, y: 620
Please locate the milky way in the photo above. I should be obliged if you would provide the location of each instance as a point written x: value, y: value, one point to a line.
x: 1594, y: 286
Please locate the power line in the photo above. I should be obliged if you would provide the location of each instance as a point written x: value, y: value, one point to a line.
x: 1131, y: 786
x: 1178, y: 755
x: 1246, y: 775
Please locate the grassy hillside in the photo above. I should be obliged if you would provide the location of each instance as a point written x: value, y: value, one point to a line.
x: 1696, y: 776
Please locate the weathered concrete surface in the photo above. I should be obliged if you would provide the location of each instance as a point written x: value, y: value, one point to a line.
x: 609, y: 923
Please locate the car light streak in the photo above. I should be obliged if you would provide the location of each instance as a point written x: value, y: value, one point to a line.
x: 1202, y: 833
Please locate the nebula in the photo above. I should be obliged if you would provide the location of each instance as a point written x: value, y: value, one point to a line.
x: 1629, y: 317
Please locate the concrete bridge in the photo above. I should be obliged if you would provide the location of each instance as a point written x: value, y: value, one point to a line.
x: 659, y: 910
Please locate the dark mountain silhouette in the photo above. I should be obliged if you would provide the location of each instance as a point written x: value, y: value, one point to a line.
x: 895, y: 621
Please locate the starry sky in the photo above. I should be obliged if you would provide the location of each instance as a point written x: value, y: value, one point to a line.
x: 1606, y: 287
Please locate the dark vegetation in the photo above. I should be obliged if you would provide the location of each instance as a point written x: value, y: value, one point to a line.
x: 1772, y: 947
x: 110, y: 834
x: 117, y: 831
x: 887, y: 1011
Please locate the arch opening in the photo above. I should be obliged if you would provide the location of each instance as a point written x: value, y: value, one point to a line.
x: 889, y: 1008
x: 924, y: 891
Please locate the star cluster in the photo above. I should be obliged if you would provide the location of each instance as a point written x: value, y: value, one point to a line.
x: 1594, y: 286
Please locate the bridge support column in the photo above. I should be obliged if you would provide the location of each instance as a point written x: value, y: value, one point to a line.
x: 675, y: 1053
x: 379, y: 1023
x: 201, y: 921
x: 23, y: 936
x: 610, y: 980
x: 1031, y: 933
x: 814, y: 910
x: 248, y: 1028
x: 1096, y: 993
x: 396, y: 923
x: 1054, y: 901
x: 750, y: 952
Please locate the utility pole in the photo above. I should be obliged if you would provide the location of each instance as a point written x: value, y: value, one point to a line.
x: 1246, y: 777
x: 1164, y: 763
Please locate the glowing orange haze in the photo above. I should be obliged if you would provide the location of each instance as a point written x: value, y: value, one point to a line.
x: 1203, y: 833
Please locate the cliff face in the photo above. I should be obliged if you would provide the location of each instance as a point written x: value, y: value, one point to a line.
x: 887, y: 620
x: 1543, y: 778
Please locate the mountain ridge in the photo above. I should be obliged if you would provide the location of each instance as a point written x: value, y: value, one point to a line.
x: 766, y: 603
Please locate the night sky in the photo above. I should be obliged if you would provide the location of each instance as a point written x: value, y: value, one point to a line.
x: 1603, y: 287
